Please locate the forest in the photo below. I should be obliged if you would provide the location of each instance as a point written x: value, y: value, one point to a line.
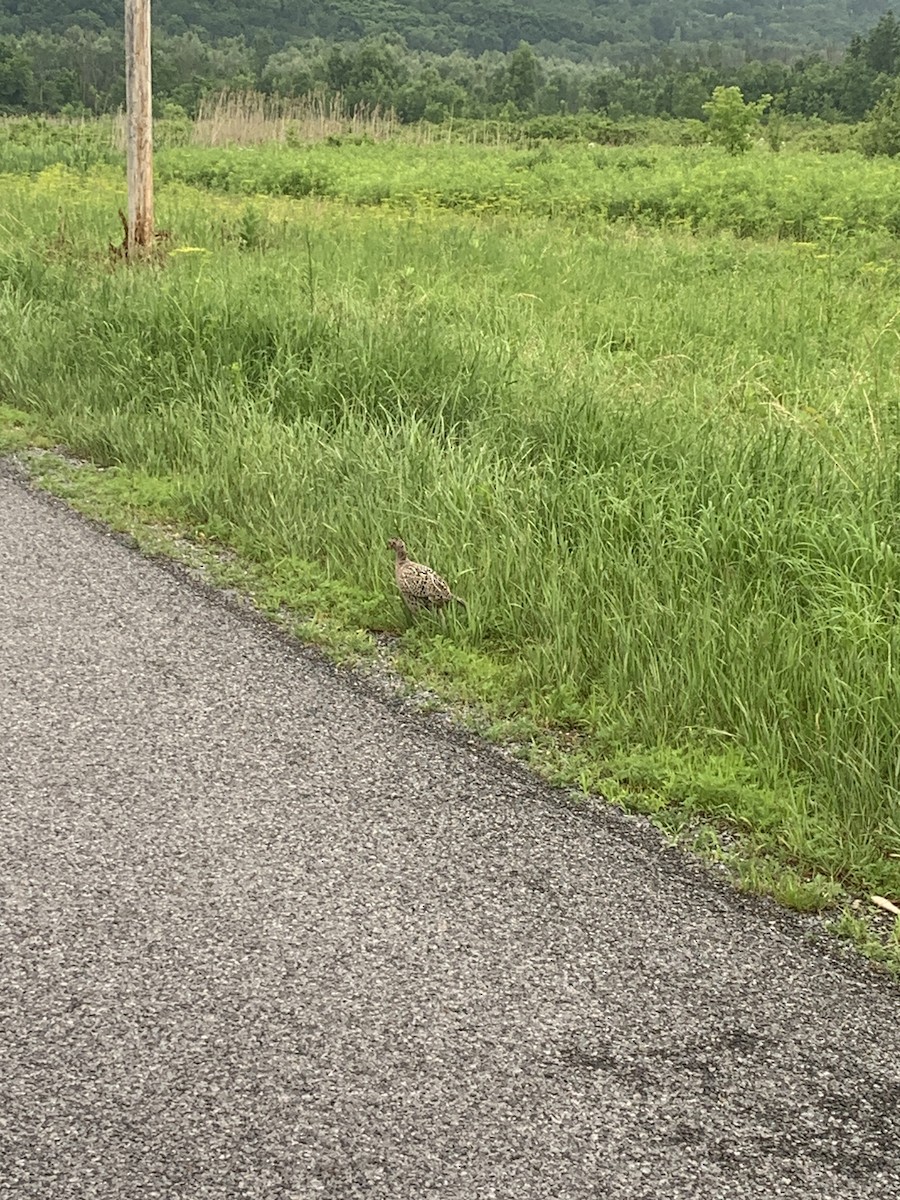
x: 78, y: 69
x: 617, y: 31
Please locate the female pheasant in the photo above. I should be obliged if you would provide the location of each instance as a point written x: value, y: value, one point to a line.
x: 419, y: 586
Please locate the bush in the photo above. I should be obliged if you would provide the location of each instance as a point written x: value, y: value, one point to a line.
x: 731, y: 120
x: 881, y: 133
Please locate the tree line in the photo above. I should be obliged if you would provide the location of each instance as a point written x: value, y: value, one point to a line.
x: 615, y: 31
x: 81, y: 71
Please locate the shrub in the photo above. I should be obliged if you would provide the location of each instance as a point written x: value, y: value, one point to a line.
x: 731, y: 120
x: 880, y: 134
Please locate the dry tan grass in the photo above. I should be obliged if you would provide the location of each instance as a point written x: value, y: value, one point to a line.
x: 252, y: 118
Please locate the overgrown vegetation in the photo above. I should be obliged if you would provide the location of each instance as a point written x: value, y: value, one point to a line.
x: 797, y: 195
x: 661, y: 467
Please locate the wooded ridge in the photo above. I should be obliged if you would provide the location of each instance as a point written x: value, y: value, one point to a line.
x: 615, y: 30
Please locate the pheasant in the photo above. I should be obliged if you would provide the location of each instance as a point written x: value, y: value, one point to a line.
x: 419, y: 586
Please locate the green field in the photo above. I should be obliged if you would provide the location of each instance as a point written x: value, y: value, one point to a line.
x: 799, y: 195
x: 659, y: 459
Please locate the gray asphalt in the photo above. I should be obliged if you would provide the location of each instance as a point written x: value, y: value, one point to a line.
x: 269, y: 933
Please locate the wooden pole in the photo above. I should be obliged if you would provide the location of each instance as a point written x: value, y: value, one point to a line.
x: 139, y: 120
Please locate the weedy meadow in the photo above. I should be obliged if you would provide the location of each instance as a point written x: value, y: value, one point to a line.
x: 656, y: 454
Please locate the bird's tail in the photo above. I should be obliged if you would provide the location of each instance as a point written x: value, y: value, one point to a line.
x: 459, y: 600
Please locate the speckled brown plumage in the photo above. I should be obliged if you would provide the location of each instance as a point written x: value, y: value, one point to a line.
x: 419, y: 586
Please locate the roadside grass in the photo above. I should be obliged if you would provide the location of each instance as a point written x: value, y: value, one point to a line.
x: 660, y: 468
x: 320, y: 612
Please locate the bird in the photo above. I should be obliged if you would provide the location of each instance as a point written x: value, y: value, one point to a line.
x: 419, y: 586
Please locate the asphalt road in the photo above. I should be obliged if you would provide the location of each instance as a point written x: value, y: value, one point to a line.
x: 268, y: 933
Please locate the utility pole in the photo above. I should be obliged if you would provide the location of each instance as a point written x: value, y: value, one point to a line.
x: 139, y: 128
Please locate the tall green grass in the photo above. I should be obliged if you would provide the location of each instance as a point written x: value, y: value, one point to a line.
x: 661, y: 469
x: 792, y: 195
x: 31, y: 144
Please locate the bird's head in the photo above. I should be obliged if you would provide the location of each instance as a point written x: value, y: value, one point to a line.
x: 399, y: 548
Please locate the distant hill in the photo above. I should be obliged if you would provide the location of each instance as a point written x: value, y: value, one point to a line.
x: 619, y: 30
